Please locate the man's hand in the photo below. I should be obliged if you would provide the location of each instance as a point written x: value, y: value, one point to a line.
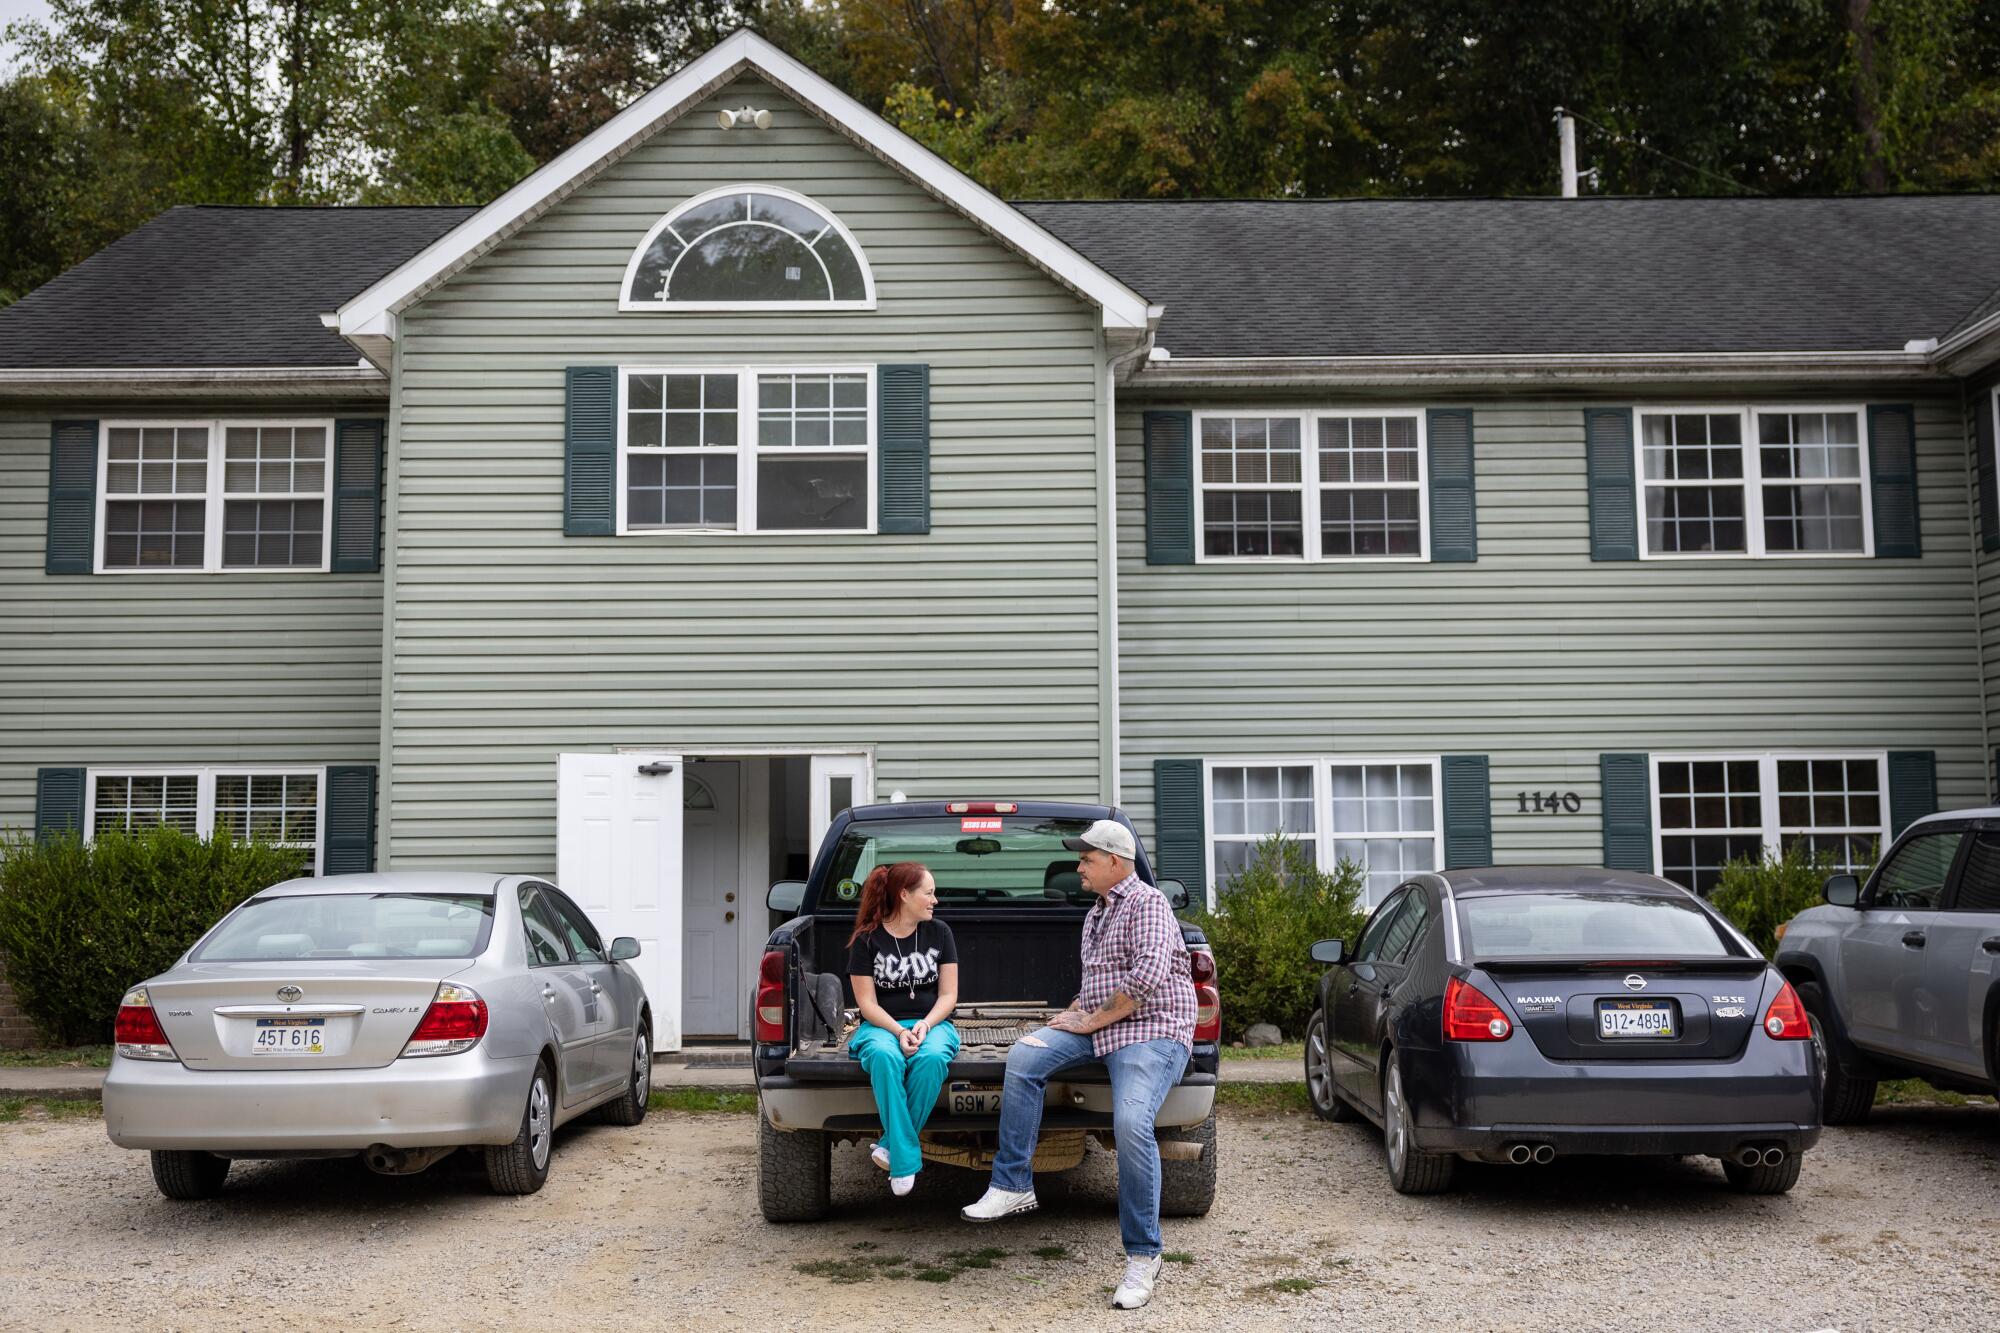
x: 1072, y: 1020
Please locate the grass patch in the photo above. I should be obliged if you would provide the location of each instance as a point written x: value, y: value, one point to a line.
x: 1264, y: 1097
x: 58, y: 1057
x: 11, y: 1109
x: 1288, y: 1286
x: 1284, y: 1050
x: 16, y: 1109
x: 982, y: 1258
x: 865, y: 1267
x: 1050, y: 1252
x: 1916, y: 1092
x: 700, y: 1101
x: 935, y: 1274
x: 1178, y: 1257
x: 842, y: 1272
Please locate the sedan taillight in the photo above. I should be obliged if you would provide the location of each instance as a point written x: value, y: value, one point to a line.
x: 455, y: 1022
x: 1471, y: 1015
x: 1786, y: 1018
x: 138, y: 1031
x: 770, y: 1025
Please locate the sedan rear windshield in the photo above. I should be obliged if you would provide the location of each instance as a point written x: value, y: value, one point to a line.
x: 992, y: 860
x: 1588, y: 925
x: 352, y: 925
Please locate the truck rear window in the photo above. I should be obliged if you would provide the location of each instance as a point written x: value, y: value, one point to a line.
x: 992, y: 860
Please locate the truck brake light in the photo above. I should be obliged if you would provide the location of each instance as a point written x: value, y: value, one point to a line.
x: 982, y: 807
x: 770, y: 1024
x: 1207, y: 998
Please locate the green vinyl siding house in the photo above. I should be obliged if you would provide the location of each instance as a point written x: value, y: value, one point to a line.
x: 717, y: 478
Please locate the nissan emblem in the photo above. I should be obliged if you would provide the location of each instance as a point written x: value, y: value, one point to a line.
x: 1633, y: 982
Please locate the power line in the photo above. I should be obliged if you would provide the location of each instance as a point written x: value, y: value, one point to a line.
x: 1648, y: 148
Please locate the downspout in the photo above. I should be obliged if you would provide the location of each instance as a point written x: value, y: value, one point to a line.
x: 392, y: 495
x: 1968, y: 449
x: 1110, y: 539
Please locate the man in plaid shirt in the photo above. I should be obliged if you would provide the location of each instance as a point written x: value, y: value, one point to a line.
x: 1136, y: 1014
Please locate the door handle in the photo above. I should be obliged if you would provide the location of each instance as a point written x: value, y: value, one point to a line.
x: 1914, y: 938
x: 596, y: 989
x: 729, y: 897
x: 729, y: 916
x: 548, y: 995
x: 1992, y: 945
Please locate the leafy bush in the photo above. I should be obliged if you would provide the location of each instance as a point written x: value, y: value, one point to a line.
x: 1266, y: 920
x: 1761, y: 894
x: 80, y: 924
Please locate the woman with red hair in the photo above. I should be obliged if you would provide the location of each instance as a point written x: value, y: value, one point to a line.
x: 904, y: 969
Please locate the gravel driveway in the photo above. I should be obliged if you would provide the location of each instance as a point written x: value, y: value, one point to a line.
x: 1893, y: 1226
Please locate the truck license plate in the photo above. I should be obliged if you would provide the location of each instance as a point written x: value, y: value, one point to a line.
x: 974, y: 1099
x: 1617, y: 1019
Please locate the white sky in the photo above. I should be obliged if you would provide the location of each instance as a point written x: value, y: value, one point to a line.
x: 10, y: 11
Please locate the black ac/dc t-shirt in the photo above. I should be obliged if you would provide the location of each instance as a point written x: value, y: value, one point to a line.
x: 906, y: 970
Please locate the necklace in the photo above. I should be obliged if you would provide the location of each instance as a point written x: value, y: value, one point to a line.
x: 909, y: 974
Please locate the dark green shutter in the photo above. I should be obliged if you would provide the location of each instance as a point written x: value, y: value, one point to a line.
x: 1454, y: 499
x: 72, y: 535
x: 357, y: 497
x: 903, y: 448
x: 590, y: 450
x: 1180, y: 827
x: 1170, y: 489
x: 1988, y: 467
x: 1912, y: 787
x: 1993, y: 779
x: 1892, y: 466
x: 58, y: 802
x: 1626, y: 793
x: 1614, y: 498
x: 350, y: 819
x: 1468, y: 811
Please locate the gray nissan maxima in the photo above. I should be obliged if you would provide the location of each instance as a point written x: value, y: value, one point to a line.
x: 397, y: 1017
x: 1521, y: 1013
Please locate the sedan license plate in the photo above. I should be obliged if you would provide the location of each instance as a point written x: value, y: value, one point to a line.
x: 289, y: 1036
x: 974, y: 1099
x: 1620, y: 1019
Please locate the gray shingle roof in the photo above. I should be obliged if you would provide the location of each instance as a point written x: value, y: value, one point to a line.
x: 1372, y: 277
x: 201, y: 287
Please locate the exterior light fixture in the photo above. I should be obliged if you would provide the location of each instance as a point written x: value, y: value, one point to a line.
x: 729, y: 120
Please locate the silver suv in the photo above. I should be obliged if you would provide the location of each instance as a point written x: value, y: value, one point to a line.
x: 1902, y: 975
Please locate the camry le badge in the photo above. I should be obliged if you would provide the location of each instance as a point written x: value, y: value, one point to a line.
x: 1635, y: 982
x: 290, y: 994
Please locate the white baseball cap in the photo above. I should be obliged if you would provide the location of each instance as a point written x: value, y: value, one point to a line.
x: 1106, y: 835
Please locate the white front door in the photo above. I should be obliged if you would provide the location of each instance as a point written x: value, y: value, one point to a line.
x: 839, y: 782
x: 618, y: 854
x: 712, y: 1001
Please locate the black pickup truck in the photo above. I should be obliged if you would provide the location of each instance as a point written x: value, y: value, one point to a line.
x: 1010, y: 892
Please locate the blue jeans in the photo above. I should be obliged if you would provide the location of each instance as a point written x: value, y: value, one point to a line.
x: 906, y: 1087
x: 1141, y: 1076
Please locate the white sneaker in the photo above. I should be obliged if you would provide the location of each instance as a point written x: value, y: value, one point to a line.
x: 1136, y: 1288
x: 901, y: 1185
x: 878, y: 1155
x: 998, y: 1203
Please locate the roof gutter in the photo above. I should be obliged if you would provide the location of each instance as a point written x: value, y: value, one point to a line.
x: 1554, y: 370
x: 356, y: 381
x: 1970, y: 349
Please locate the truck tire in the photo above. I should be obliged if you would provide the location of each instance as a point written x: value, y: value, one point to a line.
x: 794, y: 1172
x: 522, y: 1166
x: 1187, y: 1189
x: 1845, y: 1099
x: 189, y: 1175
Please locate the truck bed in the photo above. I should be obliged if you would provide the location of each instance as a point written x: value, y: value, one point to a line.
x: 986, y: 1032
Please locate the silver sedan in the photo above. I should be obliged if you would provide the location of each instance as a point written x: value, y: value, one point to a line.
x: 398, y: 1017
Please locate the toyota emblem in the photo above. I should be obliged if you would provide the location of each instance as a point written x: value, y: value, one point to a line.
x: 1633, y: 982
x: 292, y: 994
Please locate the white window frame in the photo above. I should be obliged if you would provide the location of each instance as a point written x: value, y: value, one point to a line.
x: 214, y: 497
x: 1770, y: 830
x: 1323, y: 834
x: 205, y: 776
x: 1752, y: 481
x: 1311, y: 486
x: 626, y: 303
x: 747, y: 450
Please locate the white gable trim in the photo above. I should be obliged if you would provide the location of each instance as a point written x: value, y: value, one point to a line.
x: 371, y: 315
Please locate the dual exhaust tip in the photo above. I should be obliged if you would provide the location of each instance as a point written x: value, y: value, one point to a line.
x: 1541, y: 1154
x: 1754, y: 1156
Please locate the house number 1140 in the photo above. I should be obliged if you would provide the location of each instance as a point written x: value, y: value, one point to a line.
x: 1549, y: 802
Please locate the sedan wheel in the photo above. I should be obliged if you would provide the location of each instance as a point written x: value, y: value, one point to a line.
x: 522, y: 1166
x: 1411, y: 1170
x: 1326, y: 1103
x: 630, y: 1107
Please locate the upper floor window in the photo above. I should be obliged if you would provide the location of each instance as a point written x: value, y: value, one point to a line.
x: 1312, y: 486
x: 1753, y: 482
x: 753, y: 247
x: 213, y: 495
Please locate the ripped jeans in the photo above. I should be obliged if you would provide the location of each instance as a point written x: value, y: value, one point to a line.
x: 1141, y: 1076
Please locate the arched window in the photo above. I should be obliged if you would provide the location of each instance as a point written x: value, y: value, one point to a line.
x: 748, y: 247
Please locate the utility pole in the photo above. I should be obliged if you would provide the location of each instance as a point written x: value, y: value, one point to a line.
x: 1566, y: 131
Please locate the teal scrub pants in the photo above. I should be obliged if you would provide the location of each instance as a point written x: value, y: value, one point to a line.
x: 906, y: 1087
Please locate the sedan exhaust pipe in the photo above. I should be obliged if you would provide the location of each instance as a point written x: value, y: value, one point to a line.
x: 1520, y: 1154
x: 1754, y: 1157
x: 1544, y: 1154
x: 386, y: 1161
x: 1773, y: 1156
